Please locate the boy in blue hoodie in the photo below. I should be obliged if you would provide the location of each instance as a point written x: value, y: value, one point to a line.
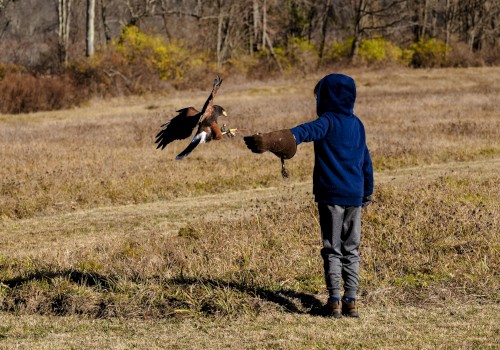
x: 342, y: 182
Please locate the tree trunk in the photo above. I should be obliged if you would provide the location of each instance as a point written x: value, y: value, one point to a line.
x: 449, y: 14
x: 90, y: 27
x: 271, y: 49
x: 220, y: 21
x: 355, y: 47
x: 105, y: 26
x: 324, y: 25
x: 256, y: 21
x: 64, y: 13
x: 424, y: 20
x: 359, y: 9
x: 264, y: 24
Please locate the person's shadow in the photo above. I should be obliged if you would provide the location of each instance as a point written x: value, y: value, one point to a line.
x: 289, y: 300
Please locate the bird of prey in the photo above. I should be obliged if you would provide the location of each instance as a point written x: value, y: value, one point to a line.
x: 182, y: 126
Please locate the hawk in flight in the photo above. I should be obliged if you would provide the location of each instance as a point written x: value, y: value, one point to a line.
x: 182, y: 126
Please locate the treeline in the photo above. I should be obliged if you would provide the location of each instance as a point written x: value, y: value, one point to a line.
x: 133, y: 46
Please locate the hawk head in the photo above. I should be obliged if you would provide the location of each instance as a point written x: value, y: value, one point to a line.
x: 218, y: 111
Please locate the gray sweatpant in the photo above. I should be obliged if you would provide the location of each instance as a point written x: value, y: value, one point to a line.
x: 341, y: 233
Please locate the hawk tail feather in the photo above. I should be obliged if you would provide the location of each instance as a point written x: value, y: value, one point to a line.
x: 199, y: 138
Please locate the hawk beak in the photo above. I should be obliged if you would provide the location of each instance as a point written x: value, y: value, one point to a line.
x: 224, y: 113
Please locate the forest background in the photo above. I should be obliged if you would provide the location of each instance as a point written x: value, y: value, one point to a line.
x: 60, y: 53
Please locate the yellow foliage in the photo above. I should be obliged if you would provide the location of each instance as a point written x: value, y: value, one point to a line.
x: 429, y: 52
x: 378, y: 49
x: 338, y: 50
x: 169, y: 60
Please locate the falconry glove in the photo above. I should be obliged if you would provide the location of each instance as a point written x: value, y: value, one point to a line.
x: 282, y: 143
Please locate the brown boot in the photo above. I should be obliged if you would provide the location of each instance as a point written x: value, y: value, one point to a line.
x: 349, y: 308
x: 332, y: 309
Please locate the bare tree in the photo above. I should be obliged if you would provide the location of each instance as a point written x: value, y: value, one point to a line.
x: 450, y: 12
x: 140, y: 9
x: 64, y: 13
x: 3, y: 28
x: 476, y: 18
x: 327, y: 14
x: 259, y: 29
x: 104, y: 19
x: 3, y: 3
x: 375, y: 17
x: 90, y: 27
x: 359, y: 10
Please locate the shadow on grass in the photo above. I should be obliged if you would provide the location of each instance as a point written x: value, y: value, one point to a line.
x: 289, y: 300
x: 89, y: 279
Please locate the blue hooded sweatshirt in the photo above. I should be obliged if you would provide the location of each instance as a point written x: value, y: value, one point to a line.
x: 343, y: 172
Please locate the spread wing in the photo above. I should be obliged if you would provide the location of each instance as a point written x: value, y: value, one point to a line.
x: 208, y: 107
x: 179, y: 127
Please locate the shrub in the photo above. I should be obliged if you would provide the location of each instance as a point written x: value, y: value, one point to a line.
x: 22, y: 92
x: 460, y: 55
x: 242, y: 64
x: 138, y: 62
x: 301, y: 54
x: 429, y: 53
x: 92, y: 76
x: 338, y: 51
x: 280, y: 56
x: 380, y: 50
x: 262, y: 65
x: 6, y: 68
x: 167, y: 60
x: 372, y: 50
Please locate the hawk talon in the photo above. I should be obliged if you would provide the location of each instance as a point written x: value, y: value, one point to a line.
x: 229, y: 132
x: 217, y: 81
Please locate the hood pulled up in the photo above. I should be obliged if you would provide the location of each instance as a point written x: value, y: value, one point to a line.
x: 336, y: 93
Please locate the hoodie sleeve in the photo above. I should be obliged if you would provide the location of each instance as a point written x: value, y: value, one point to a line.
x: 368, y: 173
x: 311, y: 131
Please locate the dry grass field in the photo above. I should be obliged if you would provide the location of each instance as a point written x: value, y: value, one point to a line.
x: 106, y: 242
